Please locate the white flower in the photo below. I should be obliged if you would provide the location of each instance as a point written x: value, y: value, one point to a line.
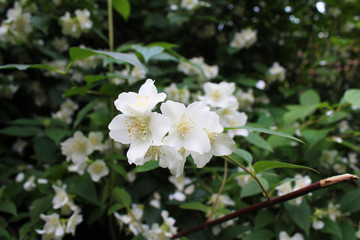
x: 244, y: 39
x: 60, y: 44
x: 284, y: 188
x: 69, y: 26
x: 180, y: 182
x: 95, y: 139
x: 189, y: 69
x: 155, y: 202
x: 178, y: 95
x: 245, y: 99
x: 52, y: 225
x: 74, y: 220
x: 187, y: 129
x: 133, y: 220
x: 237, y: 119
x: 83, y: 18
x: 19, y: 146
x: 261, y: 84
x: 333, y: 211
x: 301, y: 181
x: 189, y: 4
x: 221, y: 144
x: 276, y: 72
x: 318, y: 225
x: 78, y: 167
x: 284, y: 236
x: 29, y: 185
x: 178, y: 196
x: 61, y: 198
x: 76, y: 148
x: 133, y: 104
x: 20, y: 177
x: 97, y: 170
x: 224, y: 200
x: 219, y: 95
x: 244, y: 178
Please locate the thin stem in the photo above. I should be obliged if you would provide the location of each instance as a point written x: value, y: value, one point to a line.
x: 253, y: 175
x: 302, y: 191
x: 220, y: 190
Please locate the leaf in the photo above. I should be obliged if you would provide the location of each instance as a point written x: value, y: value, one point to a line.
x: 240, y: 153
x: 350, y: 202
x: 265, y: 165
x: 298, y: 112
x: 301, y: 215
x: 45, y: 149
x: 313, y: 136
x: 150, y: 165
x: 263, y: 218
x: 195, y: 206
x: 122, y: 196
x: 119, y: 169
x: 332, y: 228
x: 122, y: 7
x: 82, y: 113
x: 83, y: 187
x: 27, y: 66
x: 82, y: 53
x: 262, y: 234
x: 258, y: 141
x: 253, y: 188
x: 232, y: 232
x: 267, y: 131
x: 114, y: 208
x: 8, y: 207
x: 28, y: 121
x: 25, y: 229
x: 347, y: 230
x: 148, y: 52
x: 78, y: 90
x: 353, y: 97
x: 56, y: 134
x: 89, y: 79
x: 38, y: 206
x: 163, y: 45
x: 310, y: 97
x: 41, y: 23
x: 20, y: 131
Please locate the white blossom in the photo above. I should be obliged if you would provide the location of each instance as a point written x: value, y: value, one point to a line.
x: 83, y: 17
x: 284, y: 236
x: 97, y: 170
x: 73, y: 221
x: 52, y: 225
x: 276, y: 72
x: 244, y: 39
x: 219, y: 95
x: 61, y: 198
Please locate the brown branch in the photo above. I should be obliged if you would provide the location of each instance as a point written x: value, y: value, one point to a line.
x: 312, y: 187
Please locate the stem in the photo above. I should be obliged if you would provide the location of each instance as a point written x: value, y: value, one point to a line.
x: 220, y: 190
x: 112, y: 113
x: 253, y: 175
x: 302, y: 191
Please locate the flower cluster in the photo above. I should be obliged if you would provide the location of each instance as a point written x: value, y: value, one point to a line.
x: 16, y: 27
x: 210, y: 72
x: 244, y: 39
x: 78, y: 148
x: 76, y: 25
x: 171, y: 136
x: 300, y: 182
x: 66, y: 111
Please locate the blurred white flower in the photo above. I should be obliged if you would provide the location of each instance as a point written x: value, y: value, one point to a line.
x: 178, y: 196
x: 29, y: 185
x: 19, y: 146
x: 97, y: 170
x: 276, y: 72
x: 245, y: 99
x: 284, y: 236
x: 76, y: 148
x: 61, y: 198
x: 219, y: 95
x: 83, y: 17
x: 318, y: 224
x: 244, y: 39
x: 178, y: 95
x: 189, y: 4
x: 20, y: 177
x: 73, y: 221
x: 52, y: 226
x: 95, y: 139
x: 261, y: 84
x: 69, y: 26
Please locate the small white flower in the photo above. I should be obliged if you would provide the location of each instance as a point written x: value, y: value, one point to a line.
x: 97, y: 170
x: 20, y: 177
x: 261, y: 84
x: 219, y: 95
x: 83, y: 16
x: 29, y: 185
x: 19, y: 146
x: 284, y: 236
x: 178, y: 196
x: 52, y: 225
x: 180, y: 182
x: 69, y: 26
x: 244, y: 39
x: 237, y: 119
x: 95, y: 139
x: 76, y: 148
x: 61, y: 198
x: 284, y: 188
x: 318, y: 225
x: 276, y: 72
x: 74, y: 220
x: 189, y: 4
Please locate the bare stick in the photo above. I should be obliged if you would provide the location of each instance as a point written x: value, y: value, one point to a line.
x: 302, y: 191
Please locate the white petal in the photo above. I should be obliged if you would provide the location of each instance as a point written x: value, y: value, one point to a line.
x: 223, y: 145
x: 173, y: 110
x: 199, y: 113
x: 138, y: 149
x: 198, y: 141
x: 124, y: 100
x: 174, y: 139
x: 159, y: 126
x: 214, y: 125
x: 201, y: 159
x: 118, y: 130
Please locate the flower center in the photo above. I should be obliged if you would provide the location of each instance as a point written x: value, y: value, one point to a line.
x: 80, y: 146
x: 142, y: 101
x: 216, y: 95
x: 154, y: 153
x: 98, y: 168
x: 137, y: 128
x: 185, y: 126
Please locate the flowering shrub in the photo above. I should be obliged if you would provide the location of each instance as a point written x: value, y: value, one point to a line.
x: 241, y: 101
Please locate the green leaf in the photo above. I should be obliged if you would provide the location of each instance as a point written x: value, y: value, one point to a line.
x: 301, y: 215
x: 34, y: 66
x: 148, y: 52
x: 25, y: 229
x: 84, y: 187
x: 263, y: 218
x: 100, y: 117
x: 350, y: 202
x: 253, y: 188
x: 310, y: 97
x: 332, y: 228
x: 45, y: 149
x: 313, y: 136
x: 89, y: 79
x: 122, y: 7
x: 8, y: 207
x: 262, y: 234
x: 38, y: 206
x: 298, y: 112
x: 353, y: 97
x: 114, y: 208
x: 265, y: 165
x: 119, y: 169
x: 57, y: 134
x: 82, y: 113
x: 258, y: 141
x: 41, y: 23
x: 163, y: 45
x: 78, y: 90
x: 82, y: 53
x: 347, y: 230
x: 20, y: 131
x: 150, y: 165
x: 267, y: 131
x: 122, y: 196
x: 240, y: 153
x: 195, y: 206
x: 28, y: 121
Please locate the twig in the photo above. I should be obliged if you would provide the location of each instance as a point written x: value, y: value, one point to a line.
x: 302, y: 191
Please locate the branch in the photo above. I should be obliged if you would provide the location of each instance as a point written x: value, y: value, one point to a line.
x: 312, y: 187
